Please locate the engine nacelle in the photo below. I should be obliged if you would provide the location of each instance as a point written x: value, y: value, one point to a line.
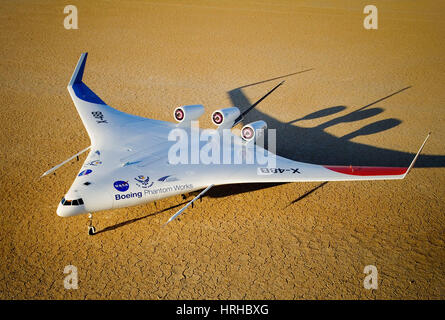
x: 224, y: 118
x: 188, y: 113
x: 250, y: 131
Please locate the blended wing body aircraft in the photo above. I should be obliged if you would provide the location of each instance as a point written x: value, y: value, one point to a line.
x: 128, y: 163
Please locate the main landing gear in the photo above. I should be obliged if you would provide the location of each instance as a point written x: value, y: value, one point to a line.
x: 91, y: 228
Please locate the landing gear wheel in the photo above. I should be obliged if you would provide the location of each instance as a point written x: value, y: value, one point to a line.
x: 91, y: 230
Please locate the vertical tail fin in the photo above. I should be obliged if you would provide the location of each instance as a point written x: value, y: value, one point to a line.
x: 78, y: 72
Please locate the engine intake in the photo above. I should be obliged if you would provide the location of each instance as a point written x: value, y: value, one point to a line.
x: 188, y: 113
x: 224, y: 118
x: 253, y: 130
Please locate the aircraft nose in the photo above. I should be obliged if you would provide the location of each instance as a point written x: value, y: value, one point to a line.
x: 69, y: 208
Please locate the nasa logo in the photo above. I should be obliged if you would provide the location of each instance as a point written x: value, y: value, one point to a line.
x: 121, y: 186
x: 85, y: 172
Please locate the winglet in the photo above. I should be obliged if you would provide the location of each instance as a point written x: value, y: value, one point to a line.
x: 417, y: 155
x: 78, y: 72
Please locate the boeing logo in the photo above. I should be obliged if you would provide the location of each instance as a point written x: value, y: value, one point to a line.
x: 128, y: 195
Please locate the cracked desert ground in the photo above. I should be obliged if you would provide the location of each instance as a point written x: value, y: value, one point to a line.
x: 369, y: 98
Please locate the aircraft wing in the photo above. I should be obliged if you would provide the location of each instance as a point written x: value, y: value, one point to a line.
x: 292, y: 171
x: 108, y: 126
x: 286, y: 170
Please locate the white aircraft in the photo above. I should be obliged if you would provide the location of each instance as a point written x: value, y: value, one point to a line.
x: 128, y: 160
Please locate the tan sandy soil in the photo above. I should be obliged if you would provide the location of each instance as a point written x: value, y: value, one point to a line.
x: 255, y: 242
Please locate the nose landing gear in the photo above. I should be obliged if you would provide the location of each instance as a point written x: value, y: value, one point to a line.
x: 91, y: 228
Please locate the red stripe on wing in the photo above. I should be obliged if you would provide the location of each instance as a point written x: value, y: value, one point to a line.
x: 368, y: 171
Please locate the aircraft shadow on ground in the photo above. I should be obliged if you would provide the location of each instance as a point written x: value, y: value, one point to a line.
x: 315, y: 145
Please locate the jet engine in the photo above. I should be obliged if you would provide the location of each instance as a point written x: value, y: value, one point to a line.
x: 225, y: 118
x: 188, y: 113
x: 253, y: 130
